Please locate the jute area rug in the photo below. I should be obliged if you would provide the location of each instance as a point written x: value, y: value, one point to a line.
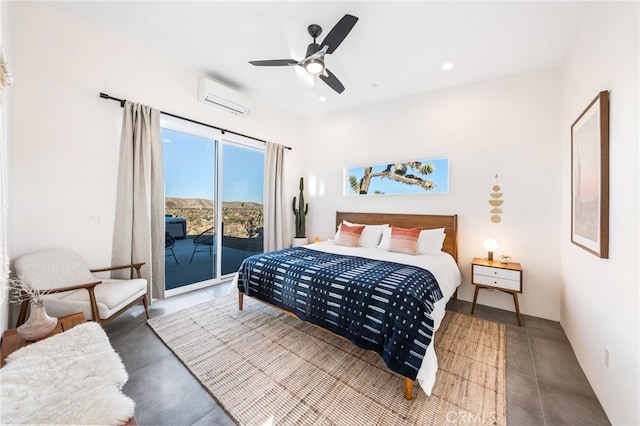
x: 267, y: 368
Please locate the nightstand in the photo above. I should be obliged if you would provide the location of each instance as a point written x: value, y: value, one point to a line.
x: 490, y: 274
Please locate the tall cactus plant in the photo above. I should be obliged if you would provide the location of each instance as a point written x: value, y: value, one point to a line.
x: 300, y: 212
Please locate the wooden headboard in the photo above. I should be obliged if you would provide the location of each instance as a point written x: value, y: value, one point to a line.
x: 448, y: 222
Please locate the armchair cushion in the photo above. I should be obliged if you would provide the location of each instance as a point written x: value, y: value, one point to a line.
x: 111, y: 296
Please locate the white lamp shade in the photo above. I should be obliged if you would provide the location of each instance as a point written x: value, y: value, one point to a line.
x: 490, y: 245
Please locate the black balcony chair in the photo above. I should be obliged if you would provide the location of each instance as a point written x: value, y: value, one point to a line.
x: 169, y: 241
x: 204, y: 241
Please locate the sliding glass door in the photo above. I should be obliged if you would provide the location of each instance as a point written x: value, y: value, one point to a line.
x: 242, y: 212
x: 190, y: 194
x: 213, y: 204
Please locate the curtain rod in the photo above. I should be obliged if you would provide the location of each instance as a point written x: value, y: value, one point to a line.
x: 122, y: 101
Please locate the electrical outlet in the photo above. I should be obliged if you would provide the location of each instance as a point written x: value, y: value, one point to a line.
x: 607, y: 358
x: 96, y: 219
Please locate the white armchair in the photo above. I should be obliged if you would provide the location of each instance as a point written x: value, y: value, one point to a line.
x: 74, y: 288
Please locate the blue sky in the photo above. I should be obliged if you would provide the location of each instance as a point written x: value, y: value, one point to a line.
x: 189, y: 168
x: 440, y: 177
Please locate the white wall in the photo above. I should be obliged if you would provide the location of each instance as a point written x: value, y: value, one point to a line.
x: 5, y: 42
x: 65, y: 138
x: 508, y: 126
x: 600, y: 297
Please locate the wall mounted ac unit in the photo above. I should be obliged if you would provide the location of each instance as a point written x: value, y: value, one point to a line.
x: 217, y: 94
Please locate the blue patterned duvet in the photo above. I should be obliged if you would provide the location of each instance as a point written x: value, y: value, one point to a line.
x: 380, y: 306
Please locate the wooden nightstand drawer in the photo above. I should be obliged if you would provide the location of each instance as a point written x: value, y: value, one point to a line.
x: 496, y: 272
x: 495, y: 281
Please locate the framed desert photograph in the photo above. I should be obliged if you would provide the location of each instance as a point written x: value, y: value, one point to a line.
x: 400, y: 177
x: 590, y: 177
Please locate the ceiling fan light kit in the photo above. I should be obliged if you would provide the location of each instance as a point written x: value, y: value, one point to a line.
x: 314, y: 66
x: 314, y: 62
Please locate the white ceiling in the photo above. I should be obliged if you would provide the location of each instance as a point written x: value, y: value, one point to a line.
x: 396, y: 49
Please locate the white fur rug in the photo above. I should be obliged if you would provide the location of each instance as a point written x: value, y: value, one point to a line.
x: 72, y: 378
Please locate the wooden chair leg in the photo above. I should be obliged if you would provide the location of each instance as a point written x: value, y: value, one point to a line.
x: 146, y: 306
x: 408, y: 388
x: 240, y: 299
x: 94, y: 305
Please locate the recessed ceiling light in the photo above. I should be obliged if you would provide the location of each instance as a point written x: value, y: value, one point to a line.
x: 447, y: 66
x: 322, y: 99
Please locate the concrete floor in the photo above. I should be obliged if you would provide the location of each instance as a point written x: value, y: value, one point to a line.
x: 545, y: 384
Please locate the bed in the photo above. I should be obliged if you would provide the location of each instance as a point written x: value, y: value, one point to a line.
x: 298, y: 282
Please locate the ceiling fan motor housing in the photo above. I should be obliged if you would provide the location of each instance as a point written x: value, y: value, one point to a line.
x: 311, y: 49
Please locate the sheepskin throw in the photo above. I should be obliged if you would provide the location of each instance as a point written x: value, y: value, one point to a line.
x: 73, y: 377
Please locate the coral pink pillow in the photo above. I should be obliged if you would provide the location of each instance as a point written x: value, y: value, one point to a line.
x: 404, y: 240
x: 349, y: 235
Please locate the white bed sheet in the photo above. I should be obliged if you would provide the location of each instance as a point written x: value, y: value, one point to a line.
x: 443, y: 267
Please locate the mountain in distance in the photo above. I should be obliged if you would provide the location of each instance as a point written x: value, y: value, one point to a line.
x: 240, y: 204
x: 202, y: 203
x: 187, y: 203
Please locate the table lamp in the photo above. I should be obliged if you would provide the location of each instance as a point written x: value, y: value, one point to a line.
x: 490, y: 245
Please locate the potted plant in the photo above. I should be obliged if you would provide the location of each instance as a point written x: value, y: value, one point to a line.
x: 300, y: 213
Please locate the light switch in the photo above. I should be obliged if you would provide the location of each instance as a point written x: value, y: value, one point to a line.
x: 96, y: 219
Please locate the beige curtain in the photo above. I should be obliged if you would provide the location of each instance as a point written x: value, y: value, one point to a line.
x: 139, y: 220
x: 276, y: 235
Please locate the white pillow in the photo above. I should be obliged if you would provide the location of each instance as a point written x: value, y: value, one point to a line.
x: 430, y: 241
x: 386, y: 239
x: 370, y: 236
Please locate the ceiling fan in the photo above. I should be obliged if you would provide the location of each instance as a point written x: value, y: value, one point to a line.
x: 313, y: 62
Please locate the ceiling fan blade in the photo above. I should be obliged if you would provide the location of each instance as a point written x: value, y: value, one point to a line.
x: 274, y: 63
x: 339, y: 32
x: 332, y: 81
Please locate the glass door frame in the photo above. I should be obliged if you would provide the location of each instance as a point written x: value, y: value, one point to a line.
x: 186, y: 126
x: 240, y: 142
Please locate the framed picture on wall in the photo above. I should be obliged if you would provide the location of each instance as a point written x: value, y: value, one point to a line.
x: 590, y: 177
x: 399, y: 177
